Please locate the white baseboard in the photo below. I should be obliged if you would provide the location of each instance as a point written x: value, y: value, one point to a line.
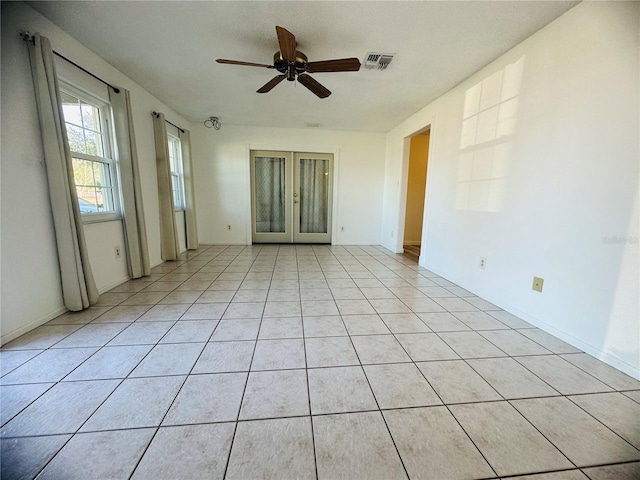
x: 50, y: 316
x: 607, y: 357
x: 30, y: 326
x: 351, y: 244
x: 106, y: 288
x: 215, y: 244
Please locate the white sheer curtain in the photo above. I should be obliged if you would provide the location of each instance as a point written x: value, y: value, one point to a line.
x: 269, y: 179
x: 189, y: 191
x: 133, y: 211
x: 314, y: 195
x: 78, y: 286
x: 168, y: 231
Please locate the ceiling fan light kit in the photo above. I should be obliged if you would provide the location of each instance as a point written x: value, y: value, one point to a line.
x: 294, y: 65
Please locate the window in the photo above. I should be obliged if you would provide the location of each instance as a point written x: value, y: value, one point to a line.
x: 94, y: 169
x: 177, y: 180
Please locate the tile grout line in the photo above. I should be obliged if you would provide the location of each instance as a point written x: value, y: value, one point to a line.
x: 72, y: 435
x: 448, y: 409
x: 393, y: 441
x: 600, y: 421
x: 500, y: 395
x: 51, y: 347
x: 306, y: 373
x: 235, y: 429
x: 157, y: 428
x: 541, y: 433
x: 558, y: 394
x: 560, y: 355
x: 255, y: 257
x: 508, y: 401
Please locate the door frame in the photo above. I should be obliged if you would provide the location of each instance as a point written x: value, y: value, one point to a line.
x: 292, y: 148
x: 404, y: 182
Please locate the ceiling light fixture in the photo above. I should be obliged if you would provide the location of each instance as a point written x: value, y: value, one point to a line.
x: 213, y: 122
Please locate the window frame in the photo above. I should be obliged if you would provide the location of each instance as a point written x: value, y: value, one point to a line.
x: 108, y: 146
x: 175, y: 147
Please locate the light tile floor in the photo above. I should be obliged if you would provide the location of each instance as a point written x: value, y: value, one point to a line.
x: 300, y: 362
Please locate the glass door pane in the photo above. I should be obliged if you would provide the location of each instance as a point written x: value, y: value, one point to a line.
x: 269, y: 179
x: 270, y: 192
x: 312, y: 197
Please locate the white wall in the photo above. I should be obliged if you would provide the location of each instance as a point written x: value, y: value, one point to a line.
x: 31, y: 291
x: 102, y: 239
x: 222, y: 183
x: 534, y: 165
x: 182, y: 231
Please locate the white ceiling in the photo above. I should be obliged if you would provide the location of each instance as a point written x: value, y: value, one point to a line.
x: 169, y: 48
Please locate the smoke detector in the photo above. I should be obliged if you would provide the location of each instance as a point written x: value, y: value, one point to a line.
x: 378, y: 60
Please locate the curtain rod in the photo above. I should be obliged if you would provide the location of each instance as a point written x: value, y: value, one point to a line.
x: 156, y: 114
x: 27, y: 37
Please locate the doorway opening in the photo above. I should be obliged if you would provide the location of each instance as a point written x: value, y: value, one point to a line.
x: 416, y: 192
x: 291, y: 197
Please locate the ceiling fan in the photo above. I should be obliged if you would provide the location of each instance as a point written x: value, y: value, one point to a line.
x: 293, y: 64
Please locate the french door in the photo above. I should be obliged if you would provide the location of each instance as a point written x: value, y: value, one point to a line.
x: 291, y: 197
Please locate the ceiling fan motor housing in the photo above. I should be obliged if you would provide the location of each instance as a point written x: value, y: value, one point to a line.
x: 290, y: 69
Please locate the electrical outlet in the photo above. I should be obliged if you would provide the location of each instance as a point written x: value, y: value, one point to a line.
x: 117, y: 251
x: 483, y: 262
x: 228, y: 227
x: 537, y: 284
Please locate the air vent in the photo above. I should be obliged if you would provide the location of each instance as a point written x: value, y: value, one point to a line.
x: 378, y: 60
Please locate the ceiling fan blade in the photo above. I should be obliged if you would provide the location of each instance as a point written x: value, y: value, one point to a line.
x: 271, y: 83
x: 287, y: 42
x: 314, y: 86
x: 246, y: 64
x: 340, y: 65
